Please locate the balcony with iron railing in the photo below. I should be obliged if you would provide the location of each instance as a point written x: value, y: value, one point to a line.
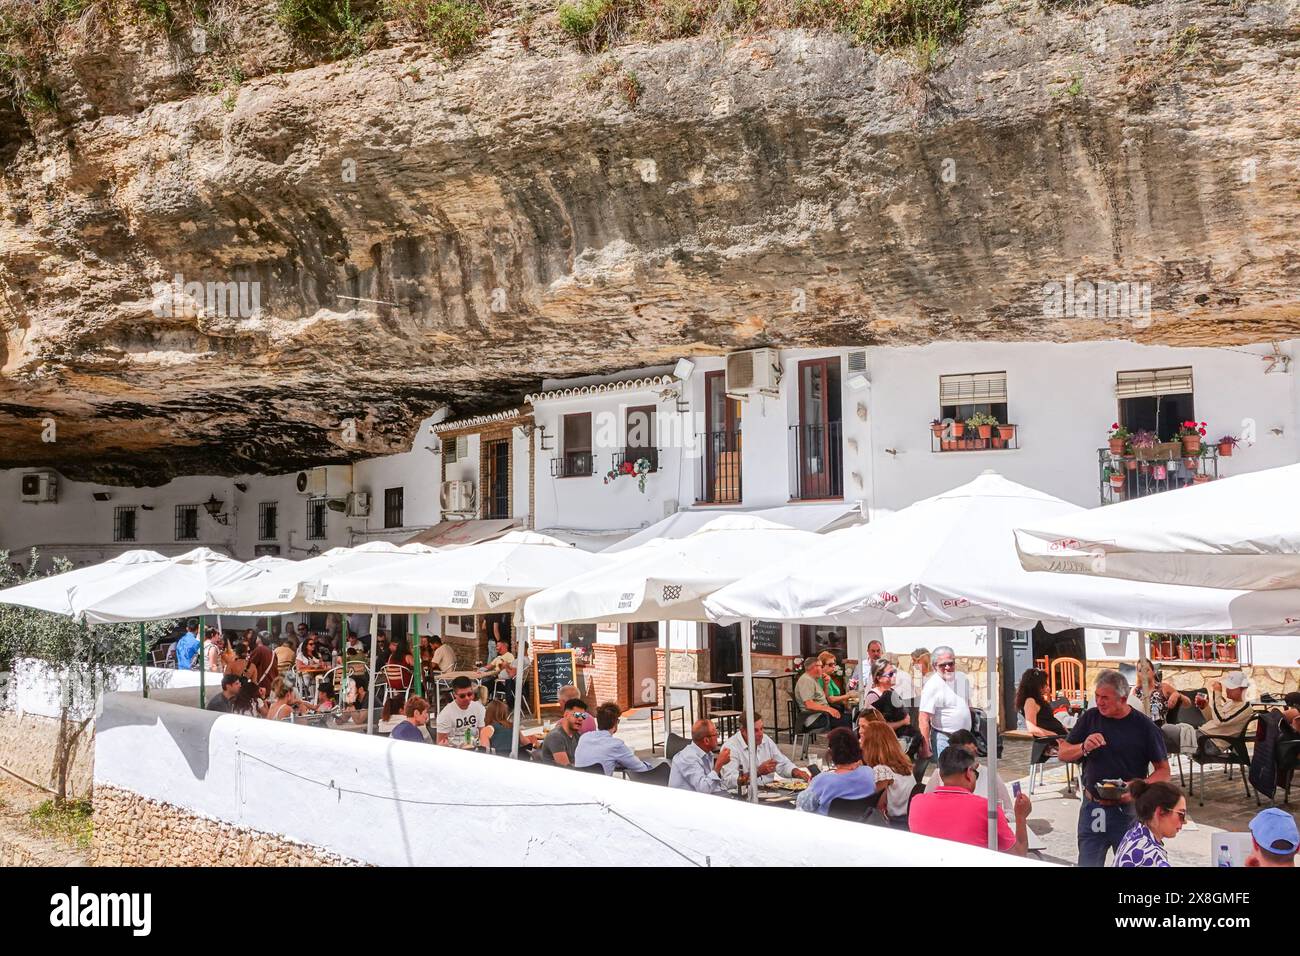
x: 1149, y: 471
x: 620, y: 458
x: 717, y: 480
x: 574, y: 464
x: 817, y: 461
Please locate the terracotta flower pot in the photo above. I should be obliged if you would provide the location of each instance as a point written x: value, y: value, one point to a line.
x: 1007, y: 432
x: 1155, y: 651
x: 1225, y: 449
x: 1191, y: 443
x: 958, y: 429
x: 1198, y: 650
x: 1132, y: 464
x: 1200, y: 479
x: 998, y: 441
x: 1184, y: 651
x: 1116, y: 446
x: 985, y: 430
x: 1230, y: 652
x: 1190, y: 463
x: 1117, y: 482
x: 946, y: 444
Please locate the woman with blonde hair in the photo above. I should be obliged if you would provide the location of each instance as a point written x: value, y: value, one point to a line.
x: 834, y: 693
x: 882, y: 753
x: 497, y: 717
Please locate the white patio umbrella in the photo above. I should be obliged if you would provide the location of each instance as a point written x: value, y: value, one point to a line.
x: 54, y: 593
x: 479, y: 578
x: 949, y: 560
x: 1241, y: 532
x: 667, y: 579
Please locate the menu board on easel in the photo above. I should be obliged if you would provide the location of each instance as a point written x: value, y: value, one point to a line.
x: 552, y: 670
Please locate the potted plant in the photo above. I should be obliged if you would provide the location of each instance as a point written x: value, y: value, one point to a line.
x: 1198, y: 649
x: 1185, y: 648
x: 1230, y: 649
x: 1155, y: 646
x: 1200, y: 478
x: 1116, y: 479
x: 958, y: 428
x: 1142, y: 442
x: 638, y: 469
x: 1006, y: 432
x: 1167, y: 649
x: 1119, y: 436
x: 936, y: 426
x: 983, y: 423
x: 1226, y: 444
x: 1191, y: 434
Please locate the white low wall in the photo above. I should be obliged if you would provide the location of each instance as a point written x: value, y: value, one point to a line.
x: 394, y: 803
x: 39, y: 688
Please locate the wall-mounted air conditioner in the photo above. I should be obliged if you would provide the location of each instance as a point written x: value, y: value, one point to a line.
x: 457, y: 497
x: 754, y: 372
x: 359, y: 504
x: 311, y: 483
x: 40, y: 486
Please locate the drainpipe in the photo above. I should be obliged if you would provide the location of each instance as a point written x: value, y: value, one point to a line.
x: 532, y: 479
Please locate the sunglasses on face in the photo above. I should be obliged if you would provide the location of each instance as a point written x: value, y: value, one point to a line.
x: 947, y: 664
x: 889, y: 674
x: 465, y: 696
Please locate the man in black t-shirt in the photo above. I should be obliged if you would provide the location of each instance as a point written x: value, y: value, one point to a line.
x: 1119, y: 743
x: 224, y: 701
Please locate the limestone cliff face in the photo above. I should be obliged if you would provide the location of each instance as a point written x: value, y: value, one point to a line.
x: 405, y: 231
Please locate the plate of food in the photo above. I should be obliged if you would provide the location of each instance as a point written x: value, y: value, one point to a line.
x: 1111, y: 789
x: 791, y: 785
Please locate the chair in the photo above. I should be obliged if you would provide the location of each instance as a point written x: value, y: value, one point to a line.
x: 655, y: 775
x: 797, y: 715
x: 1067, y: 680
x: 397, y: 681
x: 675, y: 745
x: 855, y: 811
x: 1229, y: 752
x: 1039, y: 759
x: 1044, y: 664
x: 591, y: 768
x: 668, y: 712
x: 1288, y: 758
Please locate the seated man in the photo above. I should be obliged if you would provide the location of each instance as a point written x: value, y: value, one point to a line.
x: 954, y: 812
x: 1274, y: 839
x: 417, y: 715
x: 561, y: 744
x: 463, y: 719
x: 1226, y: 710
x: 602, y: 747
x: 815, y: 710
x: 567, y: 693
x: 1289, y: 727
x: 695, y: 767
x: 444, y: 657
x: 495, y: 668
x: 223, y: 702
x: 771, y: 761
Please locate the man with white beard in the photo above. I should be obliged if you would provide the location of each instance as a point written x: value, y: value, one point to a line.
x: 945, y: 703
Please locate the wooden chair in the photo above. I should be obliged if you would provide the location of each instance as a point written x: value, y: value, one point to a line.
x: 1044, y: 664
x: 1067, y: 680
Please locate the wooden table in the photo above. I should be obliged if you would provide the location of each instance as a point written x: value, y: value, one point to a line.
x: 773, y: 676
x: 698, y: 687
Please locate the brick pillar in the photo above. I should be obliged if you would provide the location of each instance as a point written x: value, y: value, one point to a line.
x: 611, y: 674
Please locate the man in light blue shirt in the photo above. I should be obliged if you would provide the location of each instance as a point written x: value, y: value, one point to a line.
x: 188, y: 646
x: 602, y: 747
x: 695, y: 767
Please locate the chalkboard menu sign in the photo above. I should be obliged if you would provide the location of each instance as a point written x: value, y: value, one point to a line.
x: 765, y: 638
x: 551, y: 671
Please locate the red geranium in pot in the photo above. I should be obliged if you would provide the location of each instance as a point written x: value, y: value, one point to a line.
x: 1191, y: 434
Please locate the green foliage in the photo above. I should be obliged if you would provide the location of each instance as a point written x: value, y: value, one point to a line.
x: 452, y: 25
x: 69, y: 819
x: 41, y: 98
x: 631, y: 88
x: 159, y: 11
x: 595, y: 24
x: 332, y: 26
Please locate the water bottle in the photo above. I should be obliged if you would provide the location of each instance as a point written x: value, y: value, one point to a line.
x: 1225, y: 857
x: 469, y: 737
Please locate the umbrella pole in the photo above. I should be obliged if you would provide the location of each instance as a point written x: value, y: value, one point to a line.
x: 203, y: 697
x: 746, y: 641
x: 144, y: 664
x: 519, y: 687
x: 991, y: 727
x: 374, y: 649
x: 417, y: 678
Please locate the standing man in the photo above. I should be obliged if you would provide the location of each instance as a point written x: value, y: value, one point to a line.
x: 945, y: 703
x: 1119, y: 743
x: 771, y: 761
x: 860, y: 679
x: 262, y: 658
x: 188, y: 646
x: 695, y: 767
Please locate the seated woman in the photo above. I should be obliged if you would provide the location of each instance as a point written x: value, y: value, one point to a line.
x: 286, y: 654
x: 309, y: 654
x: 1032, y: 703
x: 882, y: 753
x: 834, y: 693
x: 237, y: 662
x: 285, y: 701
x: 883, y: 698
x: 498, y: 720
x: 848, y: 781
x: 1161, y: 811
x: 1158, y: 700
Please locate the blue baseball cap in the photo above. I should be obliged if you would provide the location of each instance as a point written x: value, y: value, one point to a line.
x: 1274, y: 829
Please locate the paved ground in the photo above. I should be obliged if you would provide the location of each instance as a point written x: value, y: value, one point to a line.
x: 1055, y: 812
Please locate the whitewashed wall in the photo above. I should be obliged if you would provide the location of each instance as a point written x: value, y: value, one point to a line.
x: 394, y: 803
x: 36, y: 687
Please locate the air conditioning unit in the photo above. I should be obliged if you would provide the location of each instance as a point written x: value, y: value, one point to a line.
x: 337, y: 504
x: 457, y: 497
x: 40, y: 486
x: 311, y: 483
x: 266, y: 550
x: 757, y: 371
x: 359, y: 504
x: 455, y: 449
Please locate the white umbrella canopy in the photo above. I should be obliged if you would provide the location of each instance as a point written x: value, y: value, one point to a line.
x: 288, y: 588
x: 157, y: 590
x: 53, y: 593
x: 950, y: 559
x: 668, y: 578
x: 478, y: 578
x: 1241, y: 532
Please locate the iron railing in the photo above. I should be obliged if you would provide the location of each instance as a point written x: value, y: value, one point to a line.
x: 1151, y: 471
x: 576, y: 464
x: 717, y: 480
x: 944, y: 438
x: 817, y: 461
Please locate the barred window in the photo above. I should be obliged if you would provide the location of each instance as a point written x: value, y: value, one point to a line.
x: 316, y: 511
x: 393, y: 498
x: 124, y: 523
x: 187, y: 522
x: 268, y: 520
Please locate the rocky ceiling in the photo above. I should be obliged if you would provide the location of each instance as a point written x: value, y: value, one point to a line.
x: 200, y: 282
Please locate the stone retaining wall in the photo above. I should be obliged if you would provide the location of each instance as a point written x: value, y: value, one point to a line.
x: 131, y: 830
x: 29, y: 748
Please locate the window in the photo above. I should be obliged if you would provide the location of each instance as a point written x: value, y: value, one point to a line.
x: 639, y: 432
x: 719, y: 472
x: 815, y: 638
x: 964, y: 396
x: 124, y: 523
x: 582, y: 638
x: 1157, y: 400
x: 316, y: 510
x: 187, y: 522
x: 393, y: 499
x: 496, y: 478
x: 577, y: 458
x: 268, y: 519
x: 816, y: 442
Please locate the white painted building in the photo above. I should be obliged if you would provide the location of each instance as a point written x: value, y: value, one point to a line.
x: 824, y: 427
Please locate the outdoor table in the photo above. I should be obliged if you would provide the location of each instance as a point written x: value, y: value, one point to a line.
x: 773, y: 676
x: 698, y: 687
x: 310, y: 674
